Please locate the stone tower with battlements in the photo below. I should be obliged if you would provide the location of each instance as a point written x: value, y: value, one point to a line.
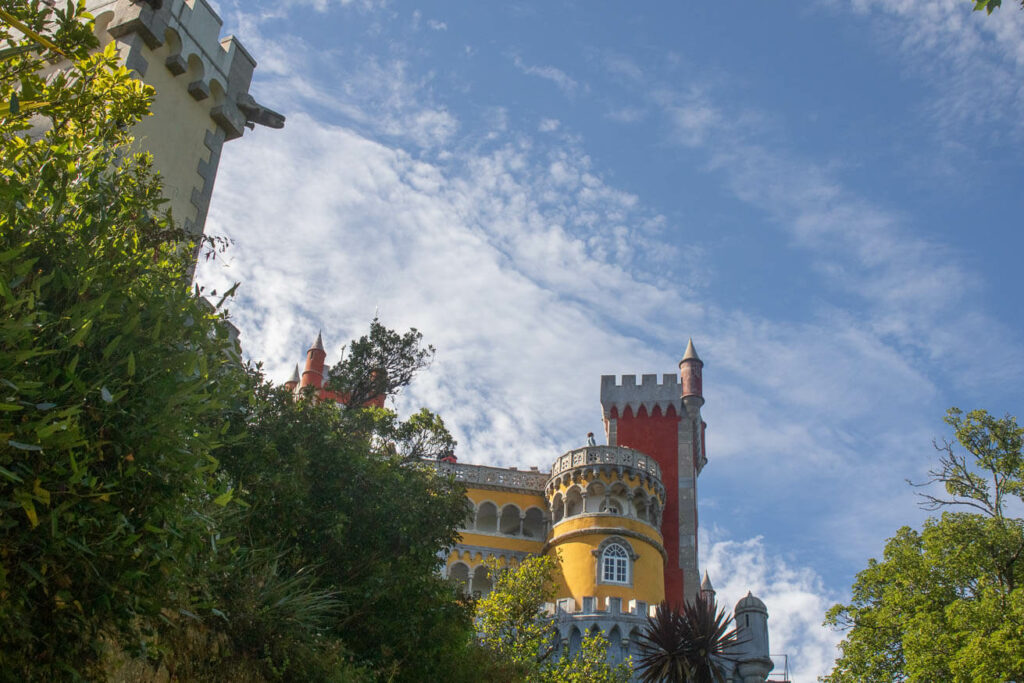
x: 202, y: 92
x: 662, y: 419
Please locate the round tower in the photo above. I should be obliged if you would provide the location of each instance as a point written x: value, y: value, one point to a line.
x: 606, y: 506
x: 313, y: 375
x: 753, y: 662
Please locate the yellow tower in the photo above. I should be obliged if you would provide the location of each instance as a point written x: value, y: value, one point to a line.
x: 606, y: 505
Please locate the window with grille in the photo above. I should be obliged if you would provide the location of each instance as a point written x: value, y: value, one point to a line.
x: 615, y: 564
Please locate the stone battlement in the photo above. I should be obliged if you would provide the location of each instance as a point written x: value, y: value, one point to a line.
x: 648, y: 393
x: 216, y: 68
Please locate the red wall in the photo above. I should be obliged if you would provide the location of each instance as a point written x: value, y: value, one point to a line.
x: 657, y: 435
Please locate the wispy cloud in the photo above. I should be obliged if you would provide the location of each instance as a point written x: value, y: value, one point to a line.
x: 564, y: 82
x: 627, y: 114
x: 974, y: 61
x: 548, y: 125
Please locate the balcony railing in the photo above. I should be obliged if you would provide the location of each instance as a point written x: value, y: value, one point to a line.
x: 495, y: 476
x: 615, y: 456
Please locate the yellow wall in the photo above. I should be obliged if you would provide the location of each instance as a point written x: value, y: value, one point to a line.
x: 578, y: 577
x: 579, y: 565
x: 501, y: 542
x: 502, y: 498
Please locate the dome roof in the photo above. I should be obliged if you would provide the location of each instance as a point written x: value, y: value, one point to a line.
x: 751, y: 603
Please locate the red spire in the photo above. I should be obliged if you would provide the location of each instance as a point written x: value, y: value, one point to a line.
x: 313, y: 375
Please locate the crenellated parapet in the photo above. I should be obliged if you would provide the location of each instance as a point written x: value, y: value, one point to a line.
x: 620, y: 393
x: 621, y: 622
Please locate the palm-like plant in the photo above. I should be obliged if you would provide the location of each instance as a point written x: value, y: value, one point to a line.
x: 688, y: 645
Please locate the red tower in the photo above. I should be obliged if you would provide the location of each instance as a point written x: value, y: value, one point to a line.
x: 313, y: 375
x: 663, y: 420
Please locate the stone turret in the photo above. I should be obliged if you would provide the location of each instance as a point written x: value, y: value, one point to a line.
x: 753, y: 662
x: 707, y: 591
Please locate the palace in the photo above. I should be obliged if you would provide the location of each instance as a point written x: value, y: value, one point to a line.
x: 620, y: 517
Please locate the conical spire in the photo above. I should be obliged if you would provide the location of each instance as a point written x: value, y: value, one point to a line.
x: 318, y: 345
x: 705, y: 585
x: 295, y: 375
x: 691, y: 353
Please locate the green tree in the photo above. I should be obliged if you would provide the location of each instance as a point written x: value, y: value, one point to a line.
x: 114, y: 375
x: 513, y: 628
x: 345, y: 495
x: 946, y: 602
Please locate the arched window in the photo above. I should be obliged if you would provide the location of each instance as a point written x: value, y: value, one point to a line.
x: 533, y: 524
x: 615, y: 564
x: 510, y: 520
x: 613, y: 561
x: 487, y: 517
x: 573, y: 502
x: 459, y: 573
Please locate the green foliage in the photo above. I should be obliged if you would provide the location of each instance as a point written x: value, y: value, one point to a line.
x: 114, y: 375
x: 338, y: 495
x: 378, y: 364
x: 989, y: 5
x: 510, y: 619
x: 512, y: 627
x: 689, y: 645
x: 947, y: 603
x: 589, y: 665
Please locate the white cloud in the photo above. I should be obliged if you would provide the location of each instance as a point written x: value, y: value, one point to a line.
x: 504, y: 283
x: 627, y: 114
x: 548, y: 125
x: 564, y: 82
x: 437, y: 25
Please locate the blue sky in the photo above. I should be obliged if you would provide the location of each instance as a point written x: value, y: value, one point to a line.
x: 826, y: 196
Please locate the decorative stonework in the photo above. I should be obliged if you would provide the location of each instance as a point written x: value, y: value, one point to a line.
x: 497, y: 478
x: 605, y: 459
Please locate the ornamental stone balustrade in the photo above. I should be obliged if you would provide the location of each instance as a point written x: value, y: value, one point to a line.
x: 483, y: 476
x: 599, y: 458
